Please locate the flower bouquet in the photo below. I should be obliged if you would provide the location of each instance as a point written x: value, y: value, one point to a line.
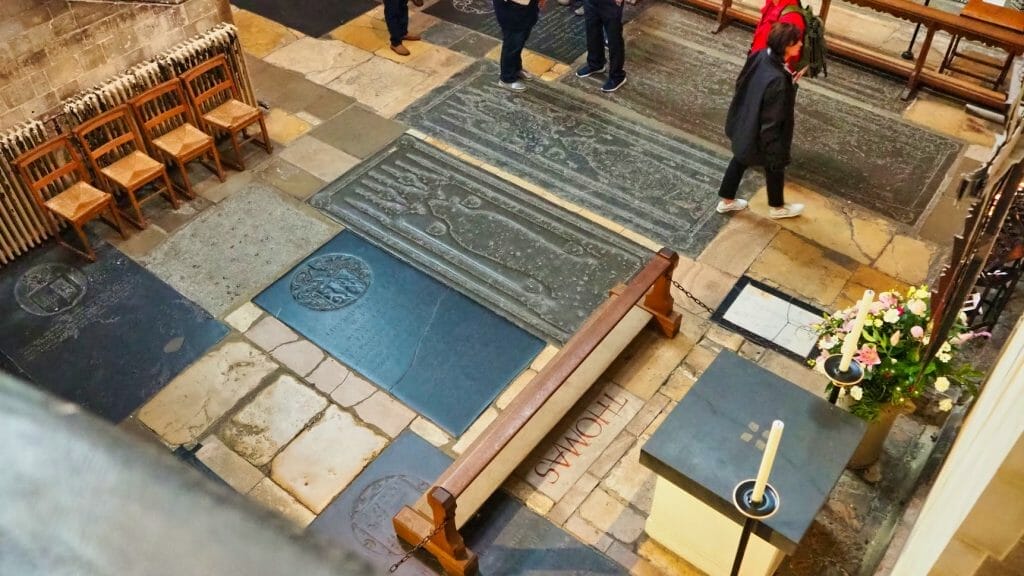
x: 896, y: 332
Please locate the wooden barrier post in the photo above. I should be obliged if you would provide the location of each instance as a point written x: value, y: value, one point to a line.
x: 659, y: 300
x: 443, y: 540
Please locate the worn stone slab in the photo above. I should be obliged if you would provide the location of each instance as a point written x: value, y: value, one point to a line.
x: 285, y: 128
x: 243, y: 317
x: 563, y: 458
x: 475, y: 45
x: 386, y: 413
x: 273, y: 497
x: 318, y: 60
x: 311, y: 17
x: 908, y: 259
x: 445, y: 33
x: 318, y: 158
x: 632, y: 174
x: 841, y: 146
x: 771, y: 317
x: 106, y: 335
x: 328, y: 375
x: 256, y: 235
x: 289, y: 178
x: 647, y: 362
x: 739, y: 243
x: 379, y: 82
x: 397, y: 327
x: 359, y: 132
x: 260, y: 36
x: 802, y: 268
x: 540, y: 265
x: 949, y: 117
x: 229, y: 466
x: 325, y: 458
x: 183, y: 410
x: 559, y: 33
x: 352, y: 390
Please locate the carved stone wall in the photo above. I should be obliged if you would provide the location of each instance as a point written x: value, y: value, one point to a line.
x: 51, y: 49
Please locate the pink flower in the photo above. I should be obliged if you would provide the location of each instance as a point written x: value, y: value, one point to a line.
x: 888, y: 299
x: 917, y: 332
x: 968, y: 336
x: 868, y: 356
x: 877, y: 307
x: 895, y: 338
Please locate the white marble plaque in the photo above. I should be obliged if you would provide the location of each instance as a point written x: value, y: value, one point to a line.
x: 786, y: 324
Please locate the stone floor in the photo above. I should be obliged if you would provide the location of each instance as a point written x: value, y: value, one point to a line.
x: 279, y: 419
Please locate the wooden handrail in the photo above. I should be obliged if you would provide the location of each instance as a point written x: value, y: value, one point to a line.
x: 439, y: 534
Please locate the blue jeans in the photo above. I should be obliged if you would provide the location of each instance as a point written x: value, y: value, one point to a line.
x: 396, y: 14
x: 516, y: 23
x: 604, y: 21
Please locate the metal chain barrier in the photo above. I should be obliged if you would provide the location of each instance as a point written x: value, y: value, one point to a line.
x: 692, y: 297
x: 415, y: 548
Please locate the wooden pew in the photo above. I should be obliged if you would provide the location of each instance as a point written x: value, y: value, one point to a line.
x: 435, y: 519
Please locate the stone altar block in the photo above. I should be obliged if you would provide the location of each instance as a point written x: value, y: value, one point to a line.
x: 714, y: 439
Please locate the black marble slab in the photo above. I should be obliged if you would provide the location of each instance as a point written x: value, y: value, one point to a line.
x: 725, y: 418
x: 559, y: 33
x: 507, y: 537
x: 841, y: 146
x: 651, y: 182
x: 311, y: 17
x: 439, y: 352
x: 538, y: 264
x: 105, y: 335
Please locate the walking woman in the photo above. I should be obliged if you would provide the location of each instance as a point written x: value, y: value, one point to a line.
x: 516, y: 18
x: 771, y: 14
x: 760, y: 122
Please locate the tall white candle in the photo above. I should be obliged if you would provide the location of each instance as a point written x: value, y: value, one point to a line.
x: 853, y: 337
x: 767, y: 460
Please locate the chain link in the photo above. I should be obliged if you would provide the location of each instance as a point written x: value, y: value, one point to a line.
x: 415, y: 548
x: 692, y: 297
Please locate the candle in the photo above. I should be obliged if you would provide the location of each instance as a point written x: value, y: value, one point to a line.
x: 853, y: 338
x: 766, y: 461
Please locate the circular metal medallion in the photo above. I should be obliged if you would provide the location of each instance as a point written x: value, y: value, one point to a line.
x: 50, y: 289
x: 331, y: 281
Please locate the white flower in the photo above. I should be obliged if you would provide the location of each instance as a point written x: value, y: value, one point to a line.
x: 856, y: 392
x: 921, y: 293
x: 942, y: 384
x: 878, y: 322
x: 962, y: 317
x: 827, y: 342
x: 943, y: 357
x: 891, y: 316
x: 917, y: 307
x: 945, y: 405
x: 895, y: 338
x: 946, y: 347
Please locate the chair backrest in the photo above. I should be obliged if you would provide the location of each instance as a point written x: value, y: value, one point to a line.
x: 109, y: 137
x: 161, y: 109
x: 210, y: 84
x: 51, y: 167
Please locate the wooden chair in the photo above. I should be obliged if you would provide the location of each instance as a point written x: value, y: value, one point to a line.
x: 217, y: 101
x: 169, y: 127
x: 60, y: 183
x: 115, y: 150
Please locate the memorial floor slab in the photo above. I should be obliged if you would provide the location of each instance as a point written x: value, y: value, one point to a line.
x: 311, y: 17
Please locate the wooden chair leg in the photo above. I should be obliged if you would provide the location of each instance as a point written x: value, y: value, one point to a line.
x: 140, y: 221
x: 238, y: 151
x: 187, y: 189
x: 85, y: 241
x: 170, y: 190
x: 117, y: 220
x: 216, y: 162
x: 266, y: 137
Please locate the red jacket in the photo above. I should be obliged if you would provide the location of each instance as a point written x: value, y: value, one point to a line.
x: 770, y: 14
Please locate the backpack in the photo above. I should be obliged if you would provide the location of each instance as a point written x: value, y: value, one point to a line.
x: 813, y: 54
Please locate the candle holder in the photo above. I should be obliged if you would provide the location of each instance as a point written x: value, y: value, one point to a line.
x: 743, y: 499
x: 839, y: 378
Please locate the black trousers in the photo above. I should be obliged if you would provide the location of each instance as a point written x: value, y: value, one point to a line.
x: 516, y: 21
x: 604, y: 19
x: 396, y: 15
x: 776, y: 180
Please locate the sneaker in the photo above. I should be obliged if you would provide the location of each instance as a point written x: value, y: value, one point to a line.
x: 400, y: 50
x: 786, y: 211
x: 612, y: 85
x: 734, y: 206
x: 524, y: 75
x: 516, y: 86
x: 579, y: 11
x: 585, y: 71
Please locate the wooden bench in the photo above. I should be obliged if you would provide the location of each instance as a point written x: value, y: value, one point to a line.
x: 435, y: 519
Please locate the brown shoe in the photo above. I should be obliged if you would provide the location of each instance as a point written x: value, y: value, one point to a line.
x: 412, y: 37
x: 400, y: 50
x: 418, y: 3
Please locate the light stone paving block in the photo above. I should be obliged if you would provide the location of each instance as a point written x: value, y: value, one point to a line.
x: 801, y: 269
x: 951, y: 119
x: 647, y: 414
x: 322, y: 461
x: 439, y: 61
x: 430, y: 432
x: 319, y: 158
x: 328, y: 375
x: 723, y: 337
x: 186, y: 407
x: 585, y: 531
x: 243, y: 317
x: 362, y: 34
x: 544, y: 357
x: 707, y: 283
x: 569, y: 503
x: 273, y: 497
x: 623, y: 555
x: 415, y: 49
x: 318, y: 60
x: 631, y: 481
x: 475, y: 430
x: 229, y: 466
x: 378, y: 82
x: 679, y: 383
x: 978, y: 153
x: 353, y: 390
x: 601, y: 509
x: 646, y: 363
x: 908, y: 259
x: 796, y: 372
x: 739, y: 243
x: 301, y: 357
x: 612, y: 454
x: 515, y: 388
x: 386, y: 413
x: 269, y: 333
x: 289, y: 178
x: 260, y: 36
x: 284, y: 127
x: 534, y: 500
x: 277, y: 414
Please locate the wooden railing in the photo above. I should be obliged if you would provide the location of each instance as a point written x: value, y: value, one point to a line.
x: 434, y: 520
x: 931, y: 19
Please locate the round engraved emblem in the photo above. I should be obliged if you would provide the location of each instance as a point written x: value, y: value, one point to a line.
x: 49, y: 289
x: 331, y: 281
x: 376, y: 504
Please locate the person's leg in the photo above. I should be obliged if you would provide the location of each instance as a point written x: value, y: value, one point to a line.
x: 776, y: 182
x: 731, y: 180
x: 512, y: 54
x: 611, y: 18
x: 595, y: 34
x: 396, y: 15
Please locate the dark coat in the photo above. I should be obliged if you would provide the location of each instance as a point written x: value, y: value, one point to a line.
x: 760, y: 120
x: 513, y: 17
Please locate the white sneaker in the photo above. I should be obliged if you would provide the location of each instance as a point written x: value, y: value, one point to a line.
x: 516, y: 86
x: 786, y: 211
x: 734, y: 206
x: 524, y: 75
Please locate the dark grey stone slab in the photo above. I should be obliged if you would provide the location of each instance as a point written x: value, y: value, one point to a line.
x: 358, y: 131
x: 542, y: 266
x: 855, y: 152
x: 445, y: 33
x: 559, y: 33
x: 475, y: 45
x: 311, y: 17
x: 725, y: 417
x: 507, y: 537
x: 439, y: 352
x: 651, y: 182
x: 106, y: 335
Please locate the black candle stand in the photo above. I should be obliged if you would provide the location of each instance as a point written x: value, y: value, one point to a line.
x: 839, y: 378
x: 743, y: 499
